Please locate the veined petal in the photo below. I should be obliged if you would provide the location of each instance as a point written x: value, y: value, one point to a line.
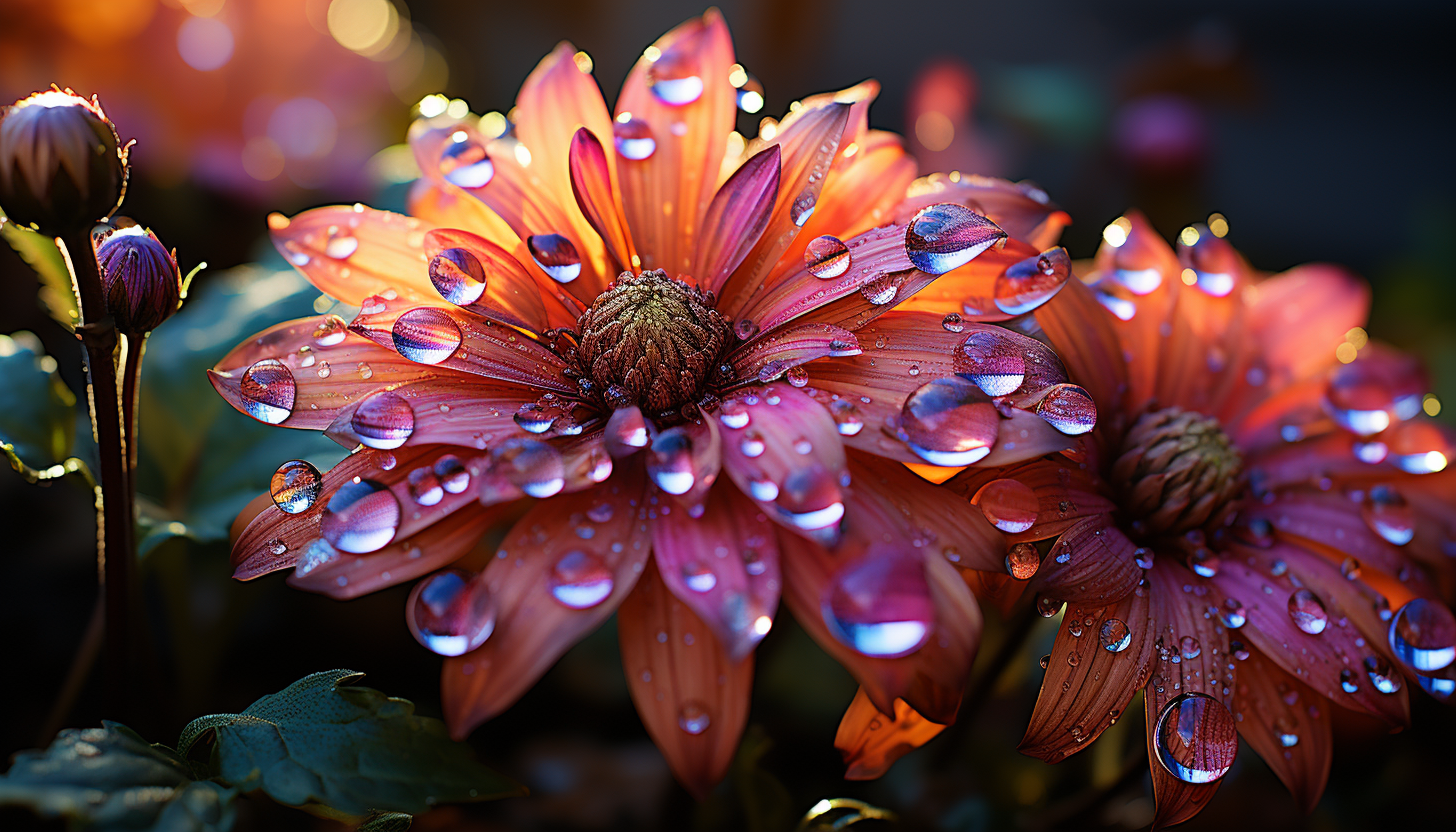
x: 1092, y: 563
x: 352, y: 252
x: 1019, y: 207
x: 723, y: 564
x: 549, y: 593
x: 598, y: 197
x: 1064, y: 494
x: 683, y: 461
x: 871, y: 742
x: 508, y: 293
x: 736, y: 218
x: 1101, y: 657
x: 692, y: 696
x: 1287, y: 724
x: 1078, y: 326
x: 666, y: 194
x: 767, y: 357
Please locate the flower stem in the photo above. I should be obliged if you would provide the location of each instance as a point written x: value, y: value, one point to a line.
x: 116, y: 540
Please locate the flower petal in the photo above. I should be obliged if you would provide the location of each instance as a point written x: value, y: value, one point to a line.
x: 469, y: 414
x: 1019, y: 207
x: 859, y: 193
x: 598, y: 197
x: 871, y: 742
x: 736, y: 218
x: 723, y: 564
x: 1079, y: 329
x: 1101, y: 657
x: 1297, y: 318
x: 692, y: 696
x: 552, y: 586
x: 508, y: 294
x: 767, y: 357
x: 666, y: 194
x: 1132, y: 279
x: 1092, y: 563
x: 1287, y: 724
x: 1065, y: 495
x: 352, y: 252
x: 906, y: 507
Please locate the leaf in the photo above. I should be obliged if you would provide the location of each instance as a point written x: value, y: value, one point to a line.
x: 350, y: 750
x: 387, y: 822
x: 201, y: 461
x: 37, y: 410
x: 42, y: 255
x: 108, y: 778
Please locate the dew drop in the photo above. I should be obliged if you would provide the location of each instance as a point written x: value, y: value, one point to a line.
x: 1308, y: 612
x: 847, y: 418
x: 1115, y: 635
x: 384, y: 421
x: 295, y: 486
x: 1382, y: 677
x: 826, y: 257
x: 580, y: 580
x: 1196, y: 738
x: 1423, y: 635
x: 1190, y: 648
x: 953, y: 322
x: 1388, y: 515
x: 1233, y: 615
x: 1008, y: 504
x: 946, y: 236
x: 673, y: 77
x: 692, y: 717
x: 1028, y: 284
x: 451, y: 612
x: 1069, y: 409
x: 464, y: 163
x: 670, y: 461
x: 698, y: 578
x: 426, y: 335
x: 556, y: 256
x: 458, y: 275
x: 330, y: 331
x: 949, y: 422
x: 361, y: 517
x: 633, y: 138
x: 880, y: 605
x: 341, y: 246
x: 992, y: 361
x: 1022, y: 561
x: 268, y: 391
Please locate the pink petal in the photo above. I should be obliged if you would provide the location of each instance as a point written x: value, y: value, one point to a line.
x: 736, y: 218
x: 723, y: 564
x: 892, y: 503
x: 598, y: 197
x: 1274, y: 707
x: 767, y: 357
x: 1092, y: 564
x: 692, y: 696
x: 552, y: 586
x: 351, y: 253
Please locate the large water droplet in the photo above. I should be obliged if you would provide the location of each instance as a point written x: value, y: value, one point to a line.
x: 693, y: 718
x: 1009, y: 505
x: 673, y: 77
x: 1115, y: 635
x: 949, y: 422
x: 361, y: 517
x: 1022, y: 561
x: 295, y: 486
x: 534, y: 467
x: 826, y: 257
x: 698, y: 577
x: 1069, y: 409
x: 341, y: 246
x: 633, y: 138
x: 1233, y: 614
x: 880, y: 604
x: 1423, y: 635
x: 1388, y: 515
x: 384, y: 421
x: 670, y: 461
x: 1028, y: 284
x: 451, y: 612
x: 992, y: 361
x: 810, y: 499
x: 426, y: 335
x: 946, y: 236
x: 1308, y: 612
x: 268, y: 391
x: 1379, y: 388
x: 464, y: 163
x: 458, y: 275
x: 556, y: 256
x: 580, y: 580
x: 1196, y: 738
x: 1382, y: 677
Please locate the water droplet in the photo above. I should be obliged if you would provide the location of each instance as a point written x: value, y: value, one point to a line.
x: 556, y: 256
x: 458, y: 276
x: 534, y: 467
x: 1196, y: 738
x: 1233, y: 615
x: 698, y: 578
x: 451, y: 612
x: 745, y: 329
x: 880, y: 289
x: 1009, y: 505
x: 949, y: 422
x: 426, y: 335
x: 1308, y: 612
x: 341, y: 246
x: 1423, y: 635
x: 953, y: 322
x: 670, y: 461
x: 1048, y: 607
x: 384, y: 421
x: 1382, y: 677
x: 330, y: 331
x: 992, y: 361
x: 1028, y: 284
x: 1115, y: 635
x: 361, y: 517
x: 1046, y: 661
x: 454, y: 477
x: 1388, y: 515
x: 673, y: 77
x: 464, y: 163
x: 1190, y: 648
x: 797, y: 375
x: 268, y: 391
x: 1377, y: 389
x: 1069, y: 409
x: 752, y: 445
x: 692, y: 717
x: 1284, y: 731
x: 847, y: 417
x: 424, y: 487
x: 826, y: 257
x: 1022, y: 561
x: 945, y: 236
x: 580, y: 580
x: 880, y: 604
x: 1204, y: 562
x: 1143, y: 557
x: 633, y: 138
x: 1347, y: 682
x: 295, y: 486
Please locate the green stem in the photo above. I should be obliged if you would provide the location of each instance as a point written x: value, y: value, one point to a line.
x: 116, y: 540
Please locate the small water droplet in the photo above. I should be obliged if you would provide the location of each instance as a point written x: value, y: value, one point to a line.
x: 670, y: 461
x: 1382, y: 677
x: 1008, y: 504
x: 464, y: 163
x: 673, y: 77
x: 580, y: 580
x: 1308, y: 612
x: 341, y: 246
x: 1115, y: 635
x: 1233, y: 614
x: 693, y: 718
x: 295, y: 486
x: 698, y: 577
x: 1022, y: 561
x: 331, y: 330
x: 1069, y: 409
x: 1388, y: 515
x: 1028, y: 284
x: 826, y: 257
x: 1189, y: 647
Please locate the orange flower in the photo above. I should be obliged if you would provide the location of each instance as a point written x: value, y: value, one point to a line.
x: 1259, y: 494
x: 605, y: 314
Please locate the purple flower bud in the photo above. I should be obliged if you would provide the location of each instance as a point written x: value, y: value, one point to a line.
x: 140, y: 277
x: 62, y: 167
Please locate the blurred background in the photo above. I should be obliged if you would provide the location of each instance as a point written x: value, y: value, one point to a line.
x: 1321, y: 131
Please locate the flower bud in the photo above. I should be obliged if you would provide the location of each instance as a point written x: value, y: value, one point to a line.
x: 62, y: 167
x: 140, y: 277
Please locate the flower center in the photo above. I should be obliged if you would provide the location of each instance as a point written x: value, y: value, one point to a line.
x: 651, y: 341
x: 1177, y: 472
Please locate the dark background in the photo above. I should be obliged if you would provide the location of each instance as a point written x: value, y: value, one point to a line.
x: 1323, y: 133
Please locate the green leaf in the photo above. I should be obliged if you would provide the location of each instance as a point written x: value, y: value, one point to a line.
x: 37, y: 411
x: 350, y: 750
x: 42, y: 255
x: 108, y: 778
x: 201, y: 461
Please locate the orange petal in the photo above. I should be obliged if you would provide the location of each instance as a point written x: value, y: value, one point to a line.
x: 549, y: 593
x: 351, y: 253
x: 860, y: 191
x: 871, y: 742
x: 666, y: 194
x: 1064, y: 494
x: 1135, y: 277
x: 1101, y: 656
x: 1081, y: 331
x: 1287, y: 724
x: 691, y: 696
x: 1298, y: 318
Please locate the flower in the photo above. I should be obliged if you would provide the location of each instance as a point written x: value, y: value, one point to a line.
x: 1259, y: 494
x: 142, y: 282
x: 606, y: 313
x: 62, y: 166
